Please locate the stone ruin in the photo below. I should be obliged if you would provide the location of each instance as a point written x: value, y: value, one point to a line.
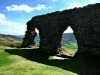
x: 84, y: 21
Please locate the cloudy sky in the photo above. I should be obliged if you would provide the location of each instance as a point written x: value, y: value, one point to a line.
x: 15, y: 13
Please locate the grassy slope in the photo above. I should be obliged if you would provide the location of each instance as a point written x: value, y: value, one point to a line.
x: 10, y: 44
x: 72, y: 46
x: 22, y: 62
x: 35, y: 62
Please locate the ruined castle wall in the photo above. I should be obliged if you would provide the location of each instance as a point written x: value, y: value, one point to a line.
x: 85, y: 23
x: 50, y: 28
x: 86, y: 28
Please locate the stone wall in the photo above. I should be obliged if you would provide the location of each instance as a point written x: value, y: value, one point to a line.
x: 84, y: 21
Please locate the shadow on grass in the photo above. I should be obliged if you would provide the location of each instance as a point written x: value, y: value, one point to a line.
x: 84, y: 64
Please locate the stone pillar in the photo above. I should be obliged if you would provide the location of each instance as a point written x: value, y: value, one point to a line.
x: 28, y: 40
x: 30, y: 35
x: 51, y: 44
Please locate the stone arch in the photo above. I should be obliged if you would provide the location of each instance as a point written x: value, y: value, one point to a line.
x: 69, y: 40
x: 37, y: 38
x: 84, y: 21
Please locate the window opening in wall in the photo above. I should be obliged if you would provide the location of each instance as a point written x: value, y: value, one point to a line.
x: 37, y: 38
x: 69, y: 42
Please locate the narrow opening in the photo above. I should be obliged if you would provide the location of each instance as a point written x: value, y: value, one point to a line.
x: 37, y: 38
x: 69, y: 42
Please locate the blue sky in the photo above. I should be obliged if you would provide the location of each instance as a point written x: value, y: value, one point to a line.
x: 15, y: 13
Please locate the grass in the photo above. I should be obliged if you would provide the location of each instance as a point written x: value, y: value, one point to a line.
x: 10, y: 44
x: 72, y: 46
x: 20, y: 62
x: 67, y: 50
x: 35, y: 62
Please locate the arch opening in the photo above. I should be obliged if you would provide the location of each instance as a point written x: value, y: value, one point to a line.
x: 37, y: 38
x: 69, y: 42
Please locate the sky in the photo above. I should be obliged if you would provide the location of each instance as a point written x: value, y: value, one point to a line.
x: 15, y: 13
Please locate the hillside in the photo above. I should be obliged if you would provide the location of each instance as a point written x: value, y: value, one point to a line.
x: 35, y: 62
x: 68, y: 40
x: 9, y: 38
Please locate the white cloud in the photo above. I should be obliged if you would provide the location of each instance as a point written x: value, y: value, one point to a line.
x: 69, y: 4
x: 25, y: 8
x: 2, y: 16
x: 14, y: 30
x: 81, y: 4
x: 8, y: 27
x: 68, y: 30
x: 39, y: 7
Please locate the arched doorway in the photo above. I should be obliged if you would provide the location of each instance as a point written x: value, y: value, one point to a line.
x: 69, y: 42
x: 37, y: 38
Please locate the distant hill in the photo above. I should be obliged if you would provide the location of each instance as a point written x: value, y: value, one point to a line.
x: 37, y: 38
x: 20, y: 36
x: 9, y: 38
x: 66, y: 38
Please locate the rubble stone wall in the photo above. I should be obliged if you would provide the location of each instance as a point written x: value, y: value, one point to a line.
x: 84, y: 21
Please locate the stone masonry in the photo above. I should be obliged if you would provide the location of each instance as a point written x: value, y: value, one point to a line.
x: 84, y: 21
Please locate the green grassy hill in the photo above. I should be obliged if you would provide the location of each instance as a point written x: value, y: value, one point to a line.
x: 29, y: 62
x: 35, y: 62
x: 67, y: 38
x: 9, y: 38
